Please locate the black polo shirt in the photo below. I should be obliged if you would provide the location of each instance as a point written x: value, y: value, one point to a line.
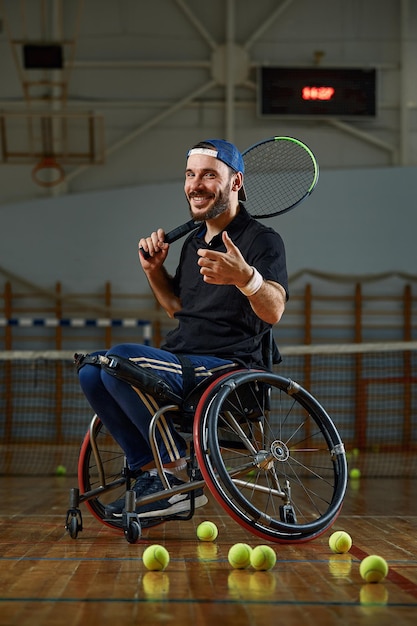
x: 218, y: 320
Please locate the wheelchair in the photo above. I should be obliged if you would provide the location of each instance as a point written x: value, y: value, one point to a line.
x: 263, y: 446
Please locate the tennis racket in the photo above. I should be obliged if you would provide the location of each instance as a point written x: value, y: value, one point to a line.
x: 280, y: 172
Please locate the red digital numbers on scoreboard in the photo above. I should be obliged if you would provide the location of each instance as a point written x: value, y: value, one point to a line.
x: 317, y: 93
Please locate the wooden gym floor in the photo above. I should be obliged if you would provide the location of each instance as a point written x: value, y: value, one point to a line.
x: 47, y: 578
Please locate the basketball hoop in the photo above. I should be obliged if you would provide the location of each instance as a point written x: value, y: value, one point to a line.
x: 48, y: 173
x: 55, y: 140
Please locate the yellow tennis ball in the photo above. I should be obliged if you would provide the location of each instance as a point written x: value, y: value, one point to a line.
x: 155, y: 557
x: 373, y: 568
x: 239, y: 555
x: 340, y: 542
x: 355, y: 473
x: 60, y: 470
x: 263, y: 558
x: 207, y: 531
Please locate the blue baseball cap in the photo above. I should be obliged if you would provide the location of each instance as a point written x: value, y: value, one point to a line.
x: 226, y: 152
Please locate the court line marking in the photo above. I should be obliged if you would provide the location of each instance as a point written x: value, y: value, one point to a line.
x: 202, y: 601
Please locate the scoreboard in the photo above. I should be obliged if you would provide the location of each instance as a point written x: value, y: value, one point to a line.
x: 317, y: 92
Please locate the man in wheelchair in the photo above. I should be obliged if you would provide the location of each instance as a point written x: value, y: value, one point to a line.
x: 229, y: 288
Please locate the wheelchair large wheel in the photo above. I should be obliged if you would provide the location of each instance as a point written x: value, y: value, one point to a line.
x: 271, y: 456
x: 100, y: 471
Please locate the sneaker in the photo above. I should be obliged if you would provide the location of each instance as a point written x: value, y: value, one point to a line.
x: 177, y: 503
x: 141, y: 483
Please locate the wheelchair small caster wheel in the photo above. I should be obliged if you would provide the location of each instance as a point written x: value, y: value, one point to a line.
x: 130, y: 521
x: 73, y: 528
x: 74, y: 523
x: 133, y: 531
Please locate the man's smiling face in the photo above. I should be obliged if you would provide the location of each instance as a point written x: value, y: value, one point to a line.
x: 207, y: 187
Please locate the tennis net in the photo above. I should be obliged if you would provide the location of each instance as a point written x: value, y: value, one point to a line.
x: 369, y: 390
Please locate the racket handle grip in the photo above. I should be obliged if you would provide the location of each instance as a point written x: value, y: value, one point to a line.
x: 180, y: 231
x: 175, y: 234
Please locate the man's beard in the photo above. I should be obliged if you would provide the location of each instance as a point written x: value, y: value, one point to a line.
x: 220, y: 206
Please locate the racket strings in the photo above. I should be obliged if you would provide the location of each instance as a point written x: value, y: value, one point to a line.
x: 278, y: 175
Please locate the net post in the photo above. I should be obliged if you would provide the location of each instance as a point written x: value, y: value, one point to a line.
x: 107, y: 302
x: 58, y: 315
x: 8, y: 300
x: 360, y: 389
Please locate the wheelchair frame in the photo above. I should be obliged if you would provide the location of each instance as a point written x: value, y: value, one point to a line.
x: 265, y: 448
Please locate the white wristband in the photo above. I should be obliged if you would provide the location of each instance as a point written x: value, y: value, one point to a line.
x: 253, y: 285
